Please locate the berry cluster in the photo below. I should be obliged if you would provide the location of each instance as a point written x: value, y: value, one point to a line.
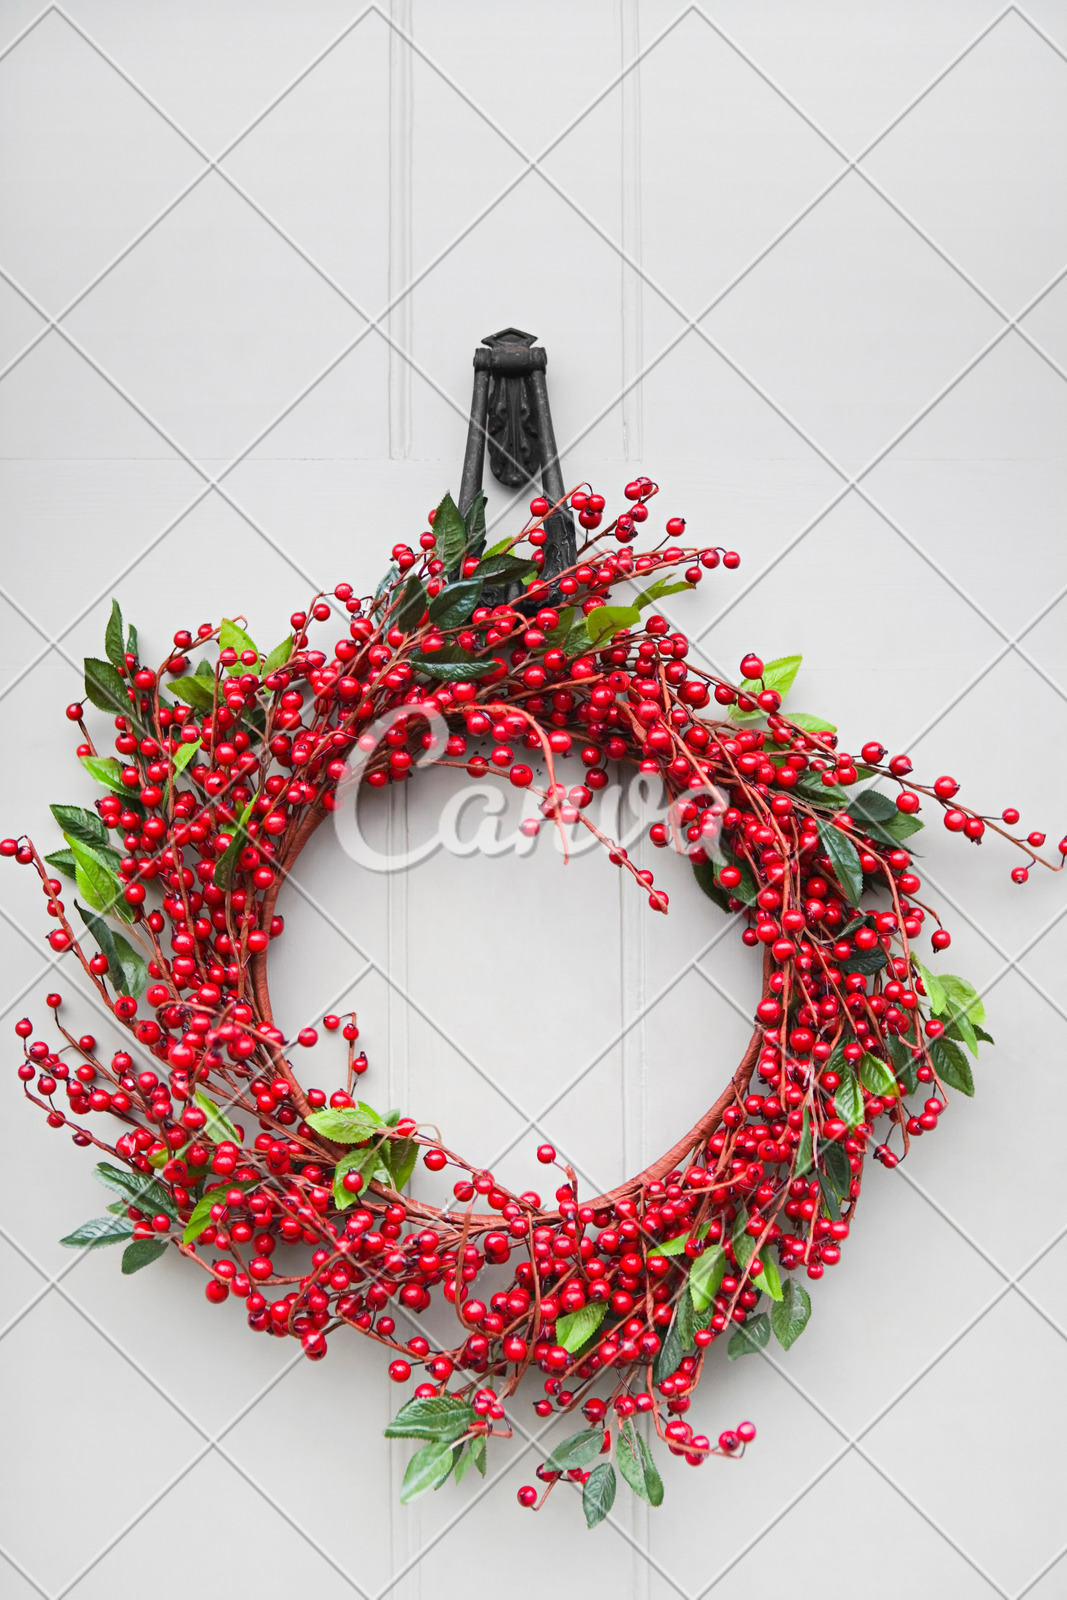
x: 295, y: 1202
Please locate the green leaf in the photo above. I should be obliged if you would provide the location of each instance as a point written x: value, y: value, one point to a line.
x: 598, y: 1495
x: 450, y: 671
x: 464, y: 1459
x: 848, y: 1097
x: 201, y: 1212
x: 660, y: 590
x: 743, y: 1242
x: 345, y: 1126
x: 704, y: 873
x: 676, y: 1246
x: 131, y: 642
x: 474, y: 524
x: 577, y: 1328
x: 870, y: 805
x: 780, y: 673
x: 790, y: 1316
x: 473, y: 1454
x: 844, y: 858
x: 440, y: 1417
x: 218, y: 1127
x: 427, y: 1469
x: 876, y: 1076
x: 829, y: 1197
x: 141, y: 1253
x: 224, y: 866
x: 834, y: 1161
x: 631, y: 1461
x: 77, y: 823
x: 746, y: 890
x: 96, y: 880
x: 904, y: 1064
x: 808, y: 722
x: 952, y: 1066
x: 62, y: 861
x: 352, y: 1162
x: 233, y: 637
x: 866, y: 961
x: 602, y: 622
x: 450, y: 532
x: 105, y: 940
x: 453, y: 606
x: 183, y: 755
x: 935, y: 992
x: 106, y: 770
x: 810, y: 787
x: 196, y: 691
x: 963, y: 999
x: 505, y: 569
x: 410, y: 606
x: 804, y: 1155
x: 653, y: 1481
x: 705, y: 1276
x: 114, y: 643
x: 132, y: 974
x: 136, y: 1189
x: 278, y: 656
x: 961, y: 1029
x: 400, y: 1156
x: 100, y: 1231
x: 672, y: 1349
x: 769, y: 1280
x: 106, y: 689
x: 750, y: 1337
x: 577, y: 1450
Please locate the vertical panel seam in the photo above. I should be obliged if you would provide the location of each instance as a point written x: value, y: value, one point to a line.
x: 401, y: 159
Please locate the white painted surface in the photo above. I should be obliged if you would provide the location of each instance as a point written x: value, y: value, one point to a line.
x: 796, y: 266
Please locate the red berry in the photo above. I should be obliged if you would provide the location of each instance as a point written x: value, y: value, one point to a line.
x: 400, y: 1371
x: 546, y: 1153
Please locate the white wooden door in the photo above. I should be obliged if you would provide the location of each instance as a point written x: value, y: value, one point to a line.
x: 802, y: 265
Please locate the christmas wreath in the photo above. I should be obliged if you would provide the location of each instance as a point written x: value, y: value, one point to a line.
x: 297, y: 1203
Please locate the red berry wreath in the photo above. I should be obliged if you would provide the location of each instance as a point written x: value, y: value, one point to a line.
x: 221, y: 774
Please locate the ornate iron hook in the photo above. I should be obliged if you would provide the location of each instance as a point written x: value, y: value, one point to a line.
x: 510, y: 413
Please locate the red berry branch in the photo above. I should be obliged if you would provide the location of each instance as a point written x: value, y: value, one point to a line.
x: 296, y: 1203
